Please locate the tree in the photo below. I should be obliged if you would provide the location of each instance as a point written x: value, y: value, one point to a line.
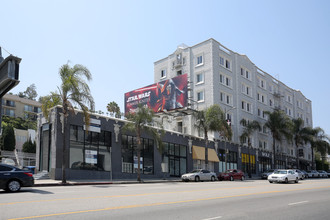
x: 113, y: 108
x: 248, y: 130
x: 29, y: 147
x: 138, y: 122
x: 31, y: 92
x: 279, y: 125
x: 320, y: 143
x: 73, y: 90
x: 8, y: 141
x: 212, y: 119
x: 300, y: 135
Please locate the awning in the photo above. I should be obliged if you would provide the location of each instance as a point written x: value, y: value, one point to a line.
x: 213, y: 157
x: 198, y: 153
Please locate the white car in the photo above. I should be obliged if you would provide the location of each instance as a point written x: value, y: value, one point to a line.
x: 199, y: 175
x: 283, y: 176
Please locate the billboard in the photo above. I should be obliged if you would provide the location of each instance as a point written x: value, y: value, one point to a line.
x: 166, y: 95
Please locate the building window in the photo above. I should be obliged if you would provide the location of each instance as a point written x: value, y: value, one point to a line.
x: 200, y: 60
x: 129, y: 155
x: 228, y: 64
x: 246, y: 90
x: 89, y: 150
x: 225, y: 80
x: 222, y: 61
x: 178, y: 73
x: 200, y: 78
x: 200, y: 96
x: 163, y: 73
x: 174, y: 159
x: 247, y: 106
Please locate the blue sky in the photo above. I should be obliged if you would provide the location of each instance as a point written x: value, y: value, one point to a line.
x: 120, y: 40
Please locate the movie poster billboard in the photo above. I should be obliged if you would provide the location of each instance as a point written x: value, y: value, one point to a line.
x: 166, y: 95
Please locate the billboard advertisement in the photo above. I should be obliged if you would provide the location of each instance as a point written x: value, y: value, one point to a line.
x: 166, y: 95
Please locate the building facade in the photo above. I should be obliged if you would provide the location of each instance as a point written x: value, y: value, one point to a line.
x: 14, y: 106
x: 218, y: 75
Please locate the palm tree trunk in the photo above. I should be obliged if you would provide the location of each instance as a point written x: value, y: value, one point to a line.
x: 249, y: 165
x: 64, y: 146
x: 139, y: 147
x: 297, y: 157
x: 274, y: 152
x: 206, y: 151
x: 313, y: 167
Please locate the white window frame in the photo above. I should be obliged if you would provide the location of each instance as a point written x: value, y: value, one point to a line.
x: 161, y: 73
x: 197, y: 96
x: 246, y: 90
x: 202, y: 79
x: 226, y: 79
x: 224, y: 97
x: 198, y: 61
x: 247, y: 106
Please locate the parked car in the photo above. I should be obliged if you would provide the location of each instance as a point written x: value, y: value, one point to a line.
x: 312, y: 174
x: 30, y: 168
x: 13, y: 178
x: 284, y: 176
x: 199, y: 175
x: 265, y: 175
x: 328, y: 173
x: 232, y: 174
x: 323, y: 174
x: 301, y: 175
x: 305, y: 174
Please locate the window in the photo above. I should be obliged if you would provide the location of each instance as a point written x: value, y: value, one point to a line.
x: 225, y: 80
x: 261, y: 83
x: 245, y: 73
x: 200, y: 60
x: 226, y: 98
x: 227, y: 64
x: 222, y: 61
x: 178, y: 73
x: 200, y: 78
x: 200, y: 96
x: 246, y: 90
x: 163, y: 73
x: 247, y: 106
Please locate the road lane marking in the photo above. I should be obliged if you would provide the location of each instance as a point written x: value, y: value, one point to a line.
x: 297, y: 203
x: 162, y: 203
x: 120, y: 196
x: 218, y: 217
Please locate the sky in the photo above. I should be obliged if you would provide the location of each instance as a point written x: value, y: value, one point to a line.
x: 119, y: 41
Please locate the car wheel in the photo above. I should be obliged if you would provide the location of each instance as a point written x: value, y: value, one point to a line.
x: 286, y: 180
x: 270, y: 181
x: 242, y: 178
x: 231, y: 178
x: 213, y: 178
x: 196, y: 178
x: 13, y: 186
x: 297, y: 180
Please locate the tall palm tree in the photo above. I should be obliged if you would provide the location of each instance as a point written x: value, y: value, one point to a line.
x: 320, y: 142
x: 248, y: 130
x: 114, y: 109
x: 142, y: 121
x: 212, y: 119
x: 300, y: 135
x: 73, y: 90
x: 279, y: 125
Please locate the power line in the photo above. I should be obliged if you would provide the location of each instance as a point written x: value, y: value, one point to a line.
x: 5, y: 49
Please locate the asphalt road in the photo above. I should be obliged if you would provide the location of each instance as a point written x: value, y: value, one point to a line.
x: 255, y: 199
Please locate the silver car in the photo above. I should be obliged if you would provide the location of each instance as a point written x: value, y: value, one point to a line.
x: 283, y: 176
x: 301, y: 175
x: 199, y: 175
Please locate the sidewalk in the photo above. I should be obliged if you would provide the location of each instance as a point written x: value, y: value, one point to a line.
x: 51, y: 182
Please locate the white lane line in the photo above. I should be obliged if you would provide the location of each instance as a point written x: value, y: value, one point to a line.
x: 218, y: 217
x: 297, y: 203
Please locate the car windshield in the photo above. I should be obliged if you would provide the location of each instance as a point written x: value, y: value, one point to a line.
x: 195, y: 171
x: 280, y: 172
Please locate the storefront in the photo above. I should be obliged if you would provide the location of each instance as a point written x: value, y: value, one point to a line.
x: 198, y: 156
x: 265, y: 161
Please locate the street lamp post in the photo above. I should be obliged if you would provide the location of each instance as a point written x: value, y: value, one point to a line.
x: 226, y: 150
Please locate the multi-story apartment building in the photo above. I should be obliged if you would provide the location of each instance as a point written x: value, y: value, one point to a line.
x: 218, y: 75
x: 14, y: 106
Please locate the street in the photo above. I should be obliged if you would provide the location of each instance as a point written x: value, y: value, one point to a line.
x: 250, y: 199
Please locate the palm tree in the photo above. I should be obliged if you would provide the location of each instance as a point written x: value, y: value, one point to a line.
x: 279, y: 125
x: 212, y: 119
x: 319, y: 142
x: 113, y: 108
x: 142, y: 121
x: 300, y: 135
x: 248, y: 130
x: 73, y: 90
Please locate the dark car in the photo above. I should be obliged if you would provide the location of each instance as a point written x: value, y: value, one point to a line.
x: 231, y: 175
x: 13, y: 178
x: 265, y: 175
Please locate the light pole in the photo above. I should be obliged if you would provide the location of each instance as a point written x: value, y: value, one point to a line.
x: 229, y: 123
